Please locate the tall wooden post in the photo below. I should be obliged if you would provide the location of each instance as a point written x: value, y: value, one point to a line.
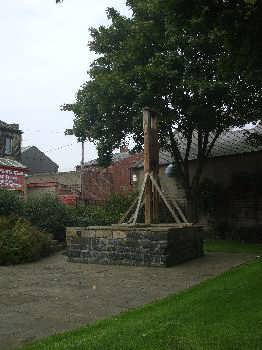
x: 151, y: 165
x: 82, y: 172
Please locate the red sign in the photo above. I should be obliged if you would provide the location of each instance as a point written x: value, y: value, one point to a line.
x: 68, y: 199
x: 11, y: 179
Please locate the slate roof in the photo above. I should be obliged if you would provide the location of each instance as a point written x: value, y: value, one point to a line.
x: 37, y: 161
x: 6, y: 162
x: 24, y: 149
x: 229, y: 143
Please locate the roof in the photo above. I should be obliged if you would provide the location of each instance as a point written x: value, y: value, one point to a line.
x: 37, y: 161
x: 24, y: 149
x: 117, y: 157
x: 11, y: 127
x: 11, y: 163
x: 229, y: 143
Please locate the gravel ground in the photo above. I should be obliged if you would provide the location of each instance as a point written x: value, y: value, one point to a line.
x: 53, y: 295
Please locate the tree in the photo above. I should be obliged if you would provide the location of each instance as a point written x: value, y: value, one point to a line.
x: 239, y: 25
x: 175, y: 64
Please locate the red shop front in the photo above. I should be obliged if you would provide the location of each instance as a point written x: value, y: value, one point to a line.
x: 12, y: 175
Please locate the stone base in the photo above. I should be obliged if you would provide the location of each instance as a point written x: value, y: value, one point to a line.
x: 140, y: 245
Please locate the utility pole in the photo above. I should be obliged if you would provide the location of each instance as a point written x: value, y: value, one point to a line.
x: 82, y: 171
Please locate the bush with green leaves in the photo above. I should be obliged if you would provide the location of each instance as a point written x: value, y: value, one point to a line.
x: 105, y: 214
x: 20, y: 242
x: 50, y: 215
x: 10, y: 203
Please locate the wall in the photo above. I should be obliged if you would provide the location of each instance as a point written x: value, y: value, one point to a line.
x: 99, y: 183
x: 160, y: 246
x: 40, y: 184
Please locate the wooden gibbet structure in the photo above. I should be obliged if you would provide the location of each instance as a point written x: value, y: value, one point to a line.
x: 150, y: 192
x: 140, y: 244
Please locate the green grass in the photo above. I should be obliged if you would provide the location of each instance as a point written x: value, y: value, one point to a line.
x: 221, y: 313
x: 219, y: 245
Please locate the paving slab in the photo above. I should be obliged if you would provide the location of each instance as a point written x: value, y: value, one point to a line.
x: 53, y: 295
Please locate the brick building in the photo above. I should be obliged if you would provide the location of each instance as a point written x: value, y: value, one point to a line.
x: 99, y: 183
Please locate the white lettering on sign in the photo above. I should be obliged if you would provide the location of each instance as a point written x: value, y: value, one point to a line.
x: 11, y: 179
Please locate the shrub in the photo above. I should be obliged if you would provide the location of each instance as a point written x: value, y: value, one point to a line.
x: 21, y: 242
x: 117, y: 205
x: 108, y: 213
x: 10, y: 203
x: 50, y: 215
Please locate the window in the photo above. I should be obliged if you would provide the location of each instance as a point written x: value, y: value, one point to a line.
x: 8, y: 145
x: 132, y: 177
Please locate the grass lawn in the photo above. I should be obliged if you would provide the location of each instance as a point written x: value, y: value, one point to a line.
x: 221, y: 313
x: 219, y: 245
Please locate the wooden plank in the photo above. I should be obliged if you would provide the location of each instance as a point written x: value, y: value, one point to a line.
x: 132, y: 206
x: 179, y: 210
x: 140, y: 197
x: 172, y: 212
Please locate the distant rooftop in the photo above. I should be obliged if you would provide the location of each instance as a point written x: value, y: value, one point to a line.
x: 229, y: 143
x: 116, y: 158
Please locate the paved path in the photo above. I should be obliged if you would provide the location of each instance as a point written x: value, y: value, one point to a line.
x: 40, y: 299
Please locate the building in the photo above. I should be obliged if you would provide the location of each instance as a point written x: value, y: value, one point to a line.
x: 37, y: 161
x: 66, y: 186
x: 10, y: 141
x: 98, y: 183
x: 12, y: 172
x: 234, y: 169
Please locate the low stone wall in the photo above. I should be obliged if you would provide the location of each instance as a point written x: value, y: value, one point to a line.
x: 141, y: 246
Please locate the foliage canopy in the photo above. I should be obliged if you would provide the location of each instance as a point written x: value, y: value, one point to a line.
x: 180, y: 61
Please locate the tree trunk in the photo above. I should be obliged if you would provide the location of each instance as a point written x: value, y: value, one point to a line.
x: 192, y: 210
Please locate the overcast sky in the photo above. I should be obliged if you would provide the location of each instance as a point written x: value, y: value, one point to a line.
x: 44, y: 59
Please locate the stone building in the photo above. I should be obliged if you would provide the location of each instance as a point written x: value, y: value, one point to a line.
x: 232, y: 177
x: 10, y: 141
x: 12, y: 172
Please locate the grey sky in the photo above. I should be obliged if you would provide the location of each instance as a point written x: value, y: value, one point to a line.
x: 43, y: 61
